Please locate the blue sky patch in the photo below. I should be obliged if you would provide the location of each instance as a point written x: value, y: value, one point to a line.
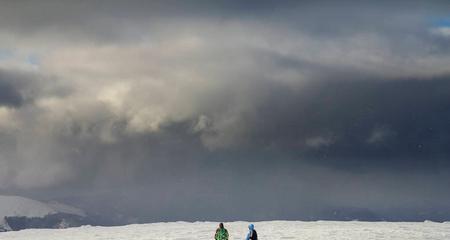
x: 441, y: 22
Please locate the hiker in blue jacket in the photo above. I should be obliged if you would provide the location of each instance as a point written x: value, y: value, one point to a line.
x: 252, y: 235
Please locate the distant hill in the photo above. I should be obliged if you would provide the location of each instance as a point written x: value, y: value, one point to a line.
x: 18, y: 213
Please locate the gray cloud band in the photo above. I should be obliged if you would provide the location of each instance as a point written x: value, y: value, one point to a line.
x: 138, y: 94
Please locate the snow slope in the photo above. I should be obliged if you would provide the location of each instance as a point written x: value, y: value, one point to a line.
x: 272, y: 230
x: 48, y: 214
x: 63, y: 208
x: 19, y: 206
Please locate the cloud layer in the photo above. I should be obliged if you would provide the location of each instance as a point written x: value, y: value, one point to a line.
x: 199, y: 101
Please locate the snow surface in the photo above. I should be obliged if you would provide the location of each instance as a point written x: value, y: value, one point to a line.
x: 272, y: 230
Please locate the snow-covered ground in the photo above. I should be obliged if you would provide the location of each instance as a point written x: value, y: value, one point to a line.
x: 271, y: 230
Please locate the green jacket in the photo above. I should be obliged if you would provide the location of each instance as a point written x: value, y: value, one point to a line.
x: 221, y: 234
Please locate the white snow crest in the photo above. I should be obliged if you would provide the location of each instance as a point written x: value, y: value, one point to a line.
x: 63, y: 208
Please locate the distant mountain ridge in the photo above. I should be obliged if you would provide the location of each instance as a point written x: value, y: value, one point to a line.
x: 18, y: 213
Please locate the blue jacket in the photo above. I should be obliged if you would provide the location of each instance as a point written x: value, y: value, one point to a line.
x: 252, y: 235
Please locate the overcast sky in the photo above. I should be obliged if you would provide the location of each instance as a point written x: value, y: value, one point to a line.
x: 184, y: 110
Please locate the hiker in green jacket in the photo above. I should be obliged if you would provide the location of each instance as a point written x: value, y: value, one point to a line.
x: 221, y: 233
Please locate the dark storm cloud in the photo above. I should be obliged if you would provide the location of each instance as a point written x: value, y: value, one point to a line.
x: 388, y: 149
x: 227, y: 110
x: 18, y: 87
x: 360, y: 122
x: 9, y: 94
x: 115, y: 21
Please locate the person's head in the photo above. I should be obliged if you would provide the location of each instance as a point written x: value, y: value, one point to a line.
x: 251, y: 226
x: 221, y: 225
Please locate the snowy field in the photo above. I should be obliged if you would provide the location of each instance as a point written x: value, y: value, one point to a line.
x: 273, y: 230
